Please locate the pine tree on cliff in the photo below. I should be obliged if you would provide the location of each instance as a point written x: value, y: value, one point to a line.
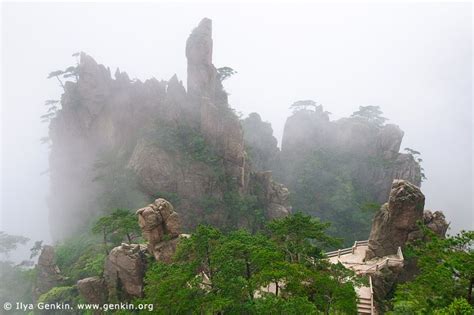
x: 371, y: 114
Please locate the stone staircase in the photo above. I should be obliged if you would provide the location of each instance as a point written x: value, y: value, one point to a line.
x: 353, y: 258
x: 365, y: 302
x: 364, y: 306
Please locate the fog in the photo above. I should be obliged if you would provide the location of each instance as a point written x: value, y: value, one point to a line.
x: 412, y: 60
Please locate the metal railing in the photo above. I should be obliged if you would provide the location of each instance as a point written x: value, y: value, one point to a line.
x: 349, y: 250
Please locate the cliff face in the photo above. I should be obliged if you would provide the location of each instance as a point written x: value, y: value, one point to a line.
x: 371, y: 151
x: 396, y: 223
x: 261, y: 145
x: 118, y: 142
x: 339, y: 170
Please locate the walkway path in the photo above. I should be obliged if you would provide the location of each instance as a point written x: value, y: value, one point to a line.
x: 353, y: 258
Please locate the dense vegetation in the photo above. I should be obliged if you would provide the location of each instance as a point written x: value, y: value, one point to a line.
x: 325, y: 188
x: 215, y: 273
x: 446, y: 279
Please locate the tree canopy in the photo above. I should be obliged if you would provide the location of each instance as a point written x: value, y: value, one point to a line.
x: 120, y: 223
x: 371, y: 114
x: 10, y: 242
x: 446, y: 276
x: 224, y: 73
x: 215, y: 273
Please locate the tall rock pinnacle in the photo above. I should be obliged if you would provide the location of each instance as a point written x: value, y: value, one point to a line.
x: 201, y: 72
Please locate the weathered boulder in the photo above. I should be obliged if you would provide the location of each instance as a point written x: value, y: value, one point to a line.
x: 273, y: 195
x: 124, y: 270
x: 436, y: 222
x: 48, y: 273
x: 396, y: 223
x: 93, y: 290
x: 165, y: 250
x: 161, y: 227
x: 396, y: 219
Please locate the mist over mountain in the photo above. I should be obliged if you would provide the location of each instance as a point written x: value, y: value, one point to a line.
x: 417, y: 71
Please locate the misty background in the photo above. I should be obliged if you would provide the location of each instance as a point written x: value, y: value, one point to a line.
x: 412, y: 60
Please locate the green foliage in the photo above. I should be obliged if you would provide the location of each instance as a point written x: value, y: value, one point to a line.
x: 94, y: 265
x: 36, y: 249
x: 324, y: 187
x: 246, y: 210
x: 459, y: 306
x: 261, y: 145
x: 216, y: 273
x: 16, y: 283
x: 67, y: 295
x: 301, y: 237
x: 10, y: 242
x: 416, y: 156
x: 51, y: 112
x: 446, y: 274
x: 371, y: 114
x: 304, y: 105
x: 120, y: 224
x: 80, y: 257
x: 120, y: 186
x: 224, y: 73
x: 271, y: 304
x: 184, y: 141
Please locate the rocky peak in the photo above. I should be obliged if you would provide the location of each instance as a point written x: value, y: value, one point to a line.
x: 370, y: 151
x: 201, y: 72
x: 153, y: 135
x: 48, y: 273
x: 161, y: 227
x: 396, y: 223
x: 261, y: 145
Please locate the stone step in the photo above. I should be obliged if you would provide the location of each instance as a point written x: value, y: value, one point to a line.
x: 364, y: 300
x: 362, y: 309
x: 364, y: 306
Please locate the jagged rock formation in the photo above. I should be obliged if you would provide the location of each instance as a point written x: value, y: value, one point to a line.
x: 118, y: 142
x: 275, y: 195
x: 161, y: 227
x: 336, y: 170
x: 396, y: 222
x: 48, y: 274
x: 371, y: 151
x: 436, y: 222
x: 124, y: 271
x: 261, y: 145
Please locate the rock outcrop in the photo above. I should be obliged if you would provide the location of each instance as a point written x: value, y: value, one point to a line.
x: 124, y: 271
x: 396, y: 219
x: 93, y: 290
x: 436, y: 222
x: 161, y: 227
x: 273, y: 195
x: 48, y: 274
x: 119, y: 143
x: 396, y: 223
x: 368, y: 150
x: 338, y: 169
x: 262, y: 146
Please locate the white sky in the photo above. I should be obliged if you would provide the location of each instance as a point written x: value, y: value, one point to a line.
x: 413, y: 60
